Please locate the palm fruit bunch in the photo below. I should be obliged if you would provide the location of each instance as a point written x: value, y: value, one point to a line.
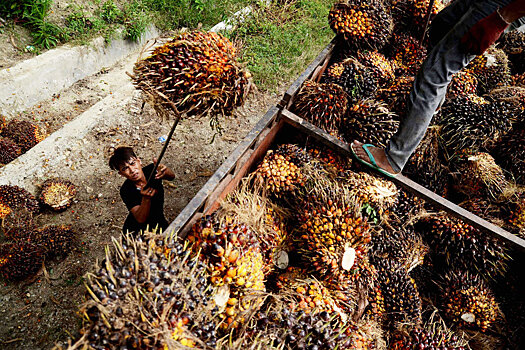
x: 9, y: 150
x: 396, y: 94
x: 463, y: 246
x: 513, y: 44
x: 57, y: 193
x: 148, y: 293
x: 419, y: 12
x: 362, y: 24
x: 52, y: 240
x: 471, y: 121
x: 428, y: 338
x: 407, y: 205
x: 24, y: 133
x: 324, y: 105
x: 196, y: 71
x: 402, y: 301
x: 479, y: 175
x: 356, y: 79
x: 468, y: 301
x: 517, y: 80
x: 370, y: 121
x: 515, y: 215
x: 16, y: 198
x: 462, y: 83
x: 382, y: 68
x: 491, y: 69
x: 231, y: 253
x: 331, y: 161
x: 280, y: 175
x: 407, y: 54
x: 484, y: 209
x: 19, y: 260
x: 3, y: 123
x: 512, y: 98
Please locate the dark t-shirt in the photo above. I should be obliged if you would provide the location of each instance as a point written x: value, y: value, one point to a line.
x: 131, y: 196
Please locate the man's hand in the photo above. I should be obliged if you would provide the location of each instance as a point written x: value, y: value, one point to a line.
x: 484, y: 33
x: 163, y: 172
x: 148, y: 193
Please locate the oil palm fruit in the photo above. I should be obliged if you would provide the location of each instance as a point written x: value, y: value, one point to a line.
x: 17, y: 198
x: 463, y: 246
x: 357, y: 80
x: 363, y: 24
x: 231, y: 253
x: 9, y: 150
x: 381, y: 67
x: 396, y: 94
x: 3, y: 123
x: 512, y: 43
x: 419, y: 13
x: 57, y: 193
x: 324, y: 105
x: 514, y: 213
x: 479, y: 175
x: 197, y: 71
x: 5, y: 210
x: 370, y: 121
x: 19, y: 260
x: 407, y: 53
x: 462, y: 83
x: 468, y: 301
x: 334, y: 163
x: 402, y: 301
x: 517, y: 80
x: 491, y: 69
x: 427, y: 338
x: 148, y: 293
x: 407, y: 205
x: 473, y: 122
x: 513, y: 99
x: 51, y: 240
x: 24, y: 133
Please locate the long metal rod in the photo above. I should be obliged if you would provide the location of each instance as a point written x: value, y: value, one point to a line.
x: 427, y: 21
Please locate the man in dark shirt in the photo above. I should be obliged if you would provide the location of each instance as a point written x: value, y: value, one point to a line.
x: 145, y: 205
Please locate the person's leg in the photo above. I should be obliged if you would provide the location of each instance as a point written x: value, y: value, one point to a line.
x: 430, y: 86
x: 447, y: 19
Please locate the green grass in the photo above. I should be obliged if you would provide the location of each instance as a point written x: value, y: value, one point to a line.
x: 281, y: 39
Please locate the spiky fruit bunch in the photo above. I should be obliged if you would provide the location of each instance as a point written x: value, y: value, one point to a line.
x: 462, y: 83
x: 468, y: 300
x: 370, y: 121
x: 298, y: 155
x: 9, y: 150
x: 491, y: 69
x: 381, y: 67
x: 363, y: 24
x: 464, y: 246
x: 513, y: 99
x: 19, y: 260
x: 17, y: 198
x: 402, y: 301
x: 428, y: 338
x: 196, y: 71
x: 518, y: 80
x: 324, y: 105
x: 3, y: 123
x: 513, y: 43
x: 396, y: 95
x: 479, y: 175
x: 515, y: 216
x: 57, y: 193
x: 279, y: 175
x: 331, y: 161
x: 471, y: 122
x: 148, y: 294
x: 407, y: 205
x: 357, y: 80
x: 407, y: 53
x: 232, y: 255
x: 52, y: 240
x: 25, y: 133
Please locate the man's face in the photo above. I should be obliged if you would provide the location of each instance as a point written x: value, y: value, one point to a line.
x: 132, y: 169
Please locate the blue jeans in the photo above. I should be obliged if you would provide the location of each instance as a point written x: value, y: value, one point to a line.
x: 445, y: 58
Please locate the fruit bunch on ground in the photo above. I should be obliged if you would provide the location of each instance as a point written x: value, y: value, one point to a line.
x: 24, y: 133
x: 57, y: 193
x: 14, y: 198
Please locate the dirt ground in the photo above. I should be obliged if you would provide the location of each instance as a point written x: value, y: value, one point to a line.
x: 38, y: 313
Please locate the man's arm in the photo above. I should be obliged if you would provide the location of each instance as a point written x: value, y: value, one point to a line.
x: 141, y: 212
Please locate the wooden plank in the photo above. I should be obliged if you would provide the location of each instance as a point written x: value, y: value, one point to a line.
x: 296, y: 85
x: 198, y: 202
x: 408, y: 184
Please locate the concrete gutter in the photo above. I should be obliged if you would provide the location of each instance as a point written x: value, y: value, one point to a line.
x: 37, y: 79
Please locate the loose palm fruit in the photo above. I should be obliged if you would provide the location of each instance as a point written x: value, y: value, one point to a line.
x: 25, y: 133
x: 279, y: 175
x: 17, y: 198
x: 396, y: 95
x: 324, y: 105
x: 462, y: 83
x: 491, y: 69
x: 57, y: 193
x: 370, y: 121
x: 19, y: 260
x: 9, y: 150
x: 357, y: 80
x: 148, y: 293
x: 468, y: 301
x: 479, y: 175
x: 382, y: 68
x: 407, y: 53
x: 512, y: 43
x: 464, y: 246
x: 363, y: 24
x: 196, y: 71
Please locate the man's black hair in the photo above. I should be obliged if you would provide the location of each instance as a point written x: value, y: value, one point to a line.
x: 120, y: 156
